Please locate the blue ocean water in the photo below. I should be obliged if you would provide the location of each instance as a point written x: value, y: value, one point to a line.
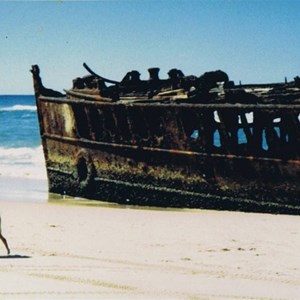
x: 18, y: 121
x: 21, y: 153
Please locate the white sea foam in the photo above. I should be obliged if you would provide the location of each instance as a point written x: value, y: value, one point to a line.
x: 22, y: 162
x: 19, y: 107
x: 249, y: 117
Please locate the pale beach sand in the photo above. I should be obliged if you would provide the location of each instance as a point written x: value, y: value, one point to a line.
x: 74, y: 251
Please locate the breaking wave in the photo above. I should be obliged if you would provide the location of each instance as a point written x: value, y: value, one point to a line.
x: 19, y: 107
x: 22, y: 162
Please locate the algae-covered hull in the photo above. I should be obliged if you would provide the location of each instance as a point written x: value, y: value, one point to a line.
x: 173, y: 149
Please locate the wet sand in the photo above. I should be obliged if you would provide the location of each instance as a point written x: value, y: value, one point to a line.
x: 66, y: 250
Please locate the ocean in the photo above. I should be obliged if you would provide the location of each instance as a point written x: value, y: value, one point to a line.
x: 22, y: 165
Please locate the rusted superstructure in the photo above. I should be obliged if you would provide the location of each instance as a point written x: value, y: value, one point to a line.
x: 185, y: 141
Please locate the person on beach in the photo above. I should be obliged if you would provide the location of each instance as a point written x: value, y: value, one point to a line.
x: 3, y: 239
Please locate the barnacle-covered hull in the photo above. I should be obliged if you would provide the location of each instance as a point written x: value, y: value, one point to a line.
x: 172, y: 152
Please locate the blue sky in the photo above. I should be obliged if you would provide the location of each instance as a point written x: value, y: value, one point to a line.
x: 253, y: 41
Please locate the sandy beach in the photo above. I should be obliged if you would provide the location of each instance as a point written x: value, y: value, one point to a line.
x: 63, y: 249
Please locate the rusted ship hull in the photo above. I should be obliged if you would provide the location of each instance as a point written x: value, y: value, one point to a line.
x: 173, y: 154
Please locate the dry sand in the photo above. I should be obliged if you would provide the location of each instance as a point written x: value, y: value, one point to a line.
x: 71, y: 251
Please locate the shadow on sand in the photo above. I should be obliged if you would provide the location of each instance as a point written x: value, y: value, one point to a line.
x: 13, y: 256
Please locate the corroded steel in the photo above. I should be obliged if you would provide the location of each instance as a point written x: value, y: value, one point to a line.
x: 178, y: 142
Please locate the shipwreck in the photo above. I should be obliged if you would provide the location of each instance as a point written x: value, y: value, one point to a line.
x: 183, y: 141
